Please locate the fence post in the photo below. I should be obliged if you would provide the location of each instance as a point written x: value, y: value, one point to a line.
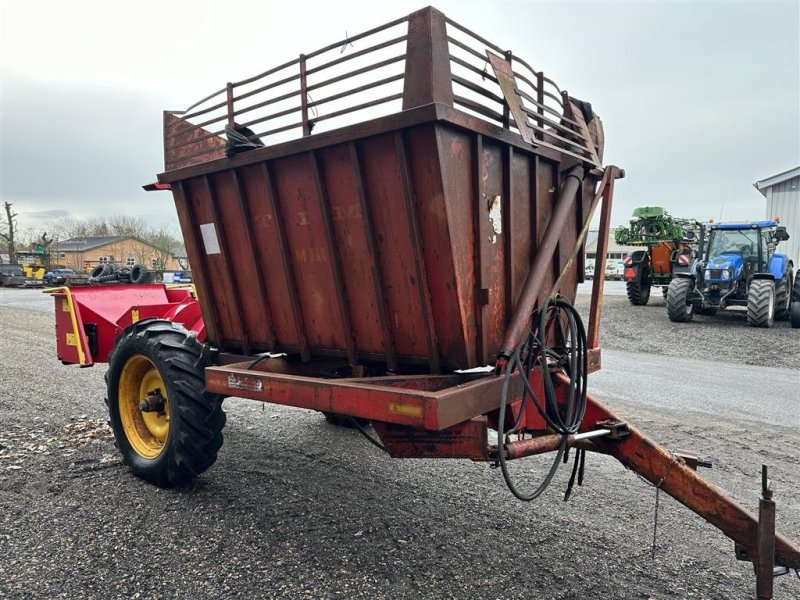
x: 229, y: 90
x: 304, y: 95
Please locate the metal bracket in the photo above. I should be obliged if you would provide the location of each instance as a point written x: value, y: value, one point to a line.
x: 692, y: 460
x: 508, y: 84
x: 617, y: 428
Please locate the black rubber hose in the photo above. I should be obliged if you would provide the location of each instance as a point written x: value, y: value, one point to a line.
x: 574, y: 362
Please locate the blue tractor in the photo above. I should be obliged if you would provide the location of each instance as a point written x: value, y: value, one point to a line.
x: 738, y: 267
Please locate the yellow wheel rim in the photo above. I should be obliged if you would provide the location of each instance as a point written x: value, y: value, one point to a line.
x: 147, y: 432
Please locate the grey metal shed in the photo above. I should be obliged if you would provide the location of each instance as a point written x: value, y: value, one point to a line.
x: 782, y: 192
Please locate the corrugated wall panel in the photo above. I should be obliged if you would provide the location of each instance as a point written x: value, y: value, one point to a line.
x: 783, y: 200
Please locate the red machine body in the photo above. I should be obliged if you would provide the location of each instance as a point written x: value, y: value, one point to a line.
x: 89, y: 319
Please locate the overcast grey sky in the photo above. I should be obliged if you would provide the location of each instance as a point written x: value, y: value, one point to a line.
x: 699, y: 100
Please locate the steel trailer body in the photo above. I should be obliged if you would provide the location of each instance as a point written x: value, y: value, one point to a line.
x: 383, y: 258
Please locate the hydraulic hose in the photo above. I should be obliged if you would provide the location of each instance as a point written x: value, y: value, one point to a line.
x: 569, y: 354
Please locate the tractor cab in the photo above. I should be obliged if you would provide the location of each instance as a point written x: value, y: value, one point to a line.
x: 738, y: 251
x: 740, y: 267
x: 732, y: 251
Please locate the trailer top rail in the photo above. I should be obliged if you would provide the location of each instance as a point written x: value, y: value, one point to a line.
x: 374, y: 74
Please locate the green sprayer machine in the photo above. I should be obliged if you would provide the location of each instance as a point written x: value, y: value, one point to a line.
x: 669, y: 244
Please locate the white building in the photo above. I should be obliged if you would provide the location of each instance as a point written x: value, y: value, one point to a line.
x: 782, y: 192
x: 615, y: 251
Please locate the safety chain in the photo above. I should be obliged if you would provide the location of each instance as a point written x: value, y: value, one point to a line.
x: 672, y: 461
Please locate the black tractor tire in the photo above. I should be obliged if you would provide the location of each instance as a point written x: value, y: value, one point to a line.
x: 173, y: 356
x: 679, y: 306
x: 795, y: 316
x: 796, y: 290
x: 783, y: 296
x: 761, y: 303
x: 638, y: 292
x: 139, y: 274
x: 123, y: 275
x: 97, y: 271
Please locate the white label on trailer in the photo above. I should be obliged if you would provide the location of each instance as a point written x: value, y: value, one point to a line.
x: 210, y: 241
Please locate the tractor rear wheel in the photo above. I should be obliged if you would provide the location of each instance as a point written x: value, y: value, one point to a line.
x: 638, y: 292
x: 783, y: 296
x: 796, y: 290
x: 679, y: 306
x: 167, y: 428
x: 795, y: 310
x: 795, y: 316
x: 761, y: 303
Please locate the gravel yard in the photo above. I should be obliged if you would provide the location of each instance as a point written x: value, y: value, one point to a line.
x: 297, y: 508
x: 725, y: 337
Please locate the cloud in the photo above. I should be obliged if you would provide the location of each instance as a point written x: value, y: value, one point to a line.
x: 47, y: 214
x: 698, y: 100
x: 78, y: 150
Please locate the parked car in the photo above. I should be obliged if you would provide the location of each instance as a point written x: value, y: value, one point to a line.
x: 58, y: 276
x: 614, y: 269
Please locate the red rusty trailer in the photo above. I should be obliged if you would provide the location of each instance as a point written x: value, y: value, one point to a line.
x: 366, y: 225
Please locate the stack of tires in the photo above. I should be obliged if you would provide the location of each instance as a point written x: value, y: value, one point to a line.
x: 110, y: 273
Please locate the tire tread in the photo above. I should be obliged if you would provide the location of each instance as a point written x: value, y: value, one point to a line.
x: 196, y: 417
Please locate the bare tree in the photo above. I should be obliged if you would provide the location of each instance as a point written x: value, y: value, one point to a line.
x: 126, y: 225
x: 10, y: 226
x: 73, y: 228
x: 163, y: 241
x: 45, y: 242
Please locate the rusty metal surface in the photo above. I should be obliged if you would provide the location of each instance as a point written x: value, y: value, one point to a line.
x: 505, y: 77
x: 535, y: 445
x: 182, y: 139
x: 465, y: 440
x: 766, y: 539
x: 534, y: 283
x: 405, y: 240
x: 593, y: 328
x: 428, y: 402
x: 417, y: 265
x: 427, y: 74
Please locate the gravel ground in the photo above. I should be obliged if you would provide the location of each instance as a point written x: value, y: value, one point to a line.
x: 725, y: 337
x: 297, y: 508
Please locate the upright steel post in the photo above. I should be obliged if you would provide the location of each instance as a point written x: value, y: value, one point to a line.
x: 428, y: 77
x: 766, y: 539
